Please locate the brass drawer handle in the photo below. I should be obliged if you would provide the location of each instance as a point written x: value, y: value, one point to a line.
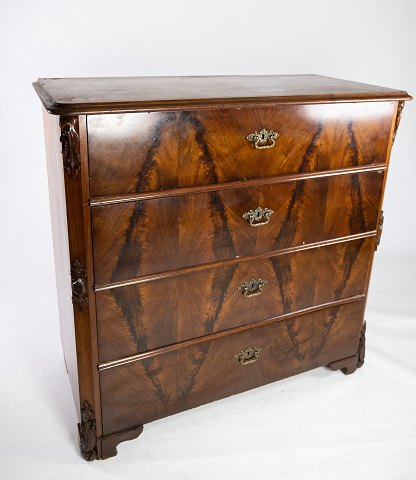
x: 252, y: 287
x: 264, y: 139
x: 249, y: 355
x: 259, y: 216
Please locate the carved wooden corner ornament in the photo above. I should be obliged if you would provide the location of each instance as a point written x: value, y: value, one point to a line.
x: 79, y: 285
x: 349, y: 365
x: 87, y: 433
x: 379, y: 229
x: 88, y: 436
x: 400, y: 107
x: 70, y: 145
x: 361, y: 347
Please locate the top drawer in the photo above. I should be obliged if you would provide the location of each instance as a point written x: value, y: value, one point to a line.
x: 144, y: 152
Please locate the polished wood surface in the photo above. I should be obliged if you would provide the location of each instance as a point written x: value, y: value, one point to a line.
x: 200, y: 265
x: 87, y: 95
x: 139, y: 238
x: 61, y: 250
x: 152, y: 314
x: 350, y: 364
x: 216, y: 187
x: 146, y: 390
x: 72, y: 243
x: 109, y: 443
x: 145, y: 152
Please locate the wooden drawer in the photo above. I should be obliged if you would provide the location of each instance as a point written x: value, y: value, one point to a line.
x: 148, y: 315
x: 144, y: 237
x: 161, y: 385
x: 142, y: 152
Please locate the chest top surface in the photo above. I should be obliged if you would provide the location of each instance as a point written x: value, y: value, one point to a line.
x: 65, y: 96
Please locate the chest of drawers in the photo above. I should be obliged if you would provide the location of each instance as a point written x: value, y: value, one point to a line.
x: 211, y: 235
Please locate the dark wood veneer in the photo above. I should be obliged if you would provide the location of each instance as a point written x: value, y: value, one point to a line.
x: 224, y: 333
x: 145, y: 152
x: 350, y: 364
x: 171, y: 292
x: 218, y: 187
x: 64, y: 96
x: 144, y: 237
x: 66, y: 141
x: 155, y: 387
x: 148, y: 315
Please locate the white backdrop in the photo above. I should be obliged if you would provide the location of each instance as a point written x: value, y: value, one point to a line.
x: 370, y: 41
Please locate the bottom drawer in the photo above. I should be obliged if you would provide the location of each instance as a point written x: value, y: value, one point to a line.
x: 160, y: 385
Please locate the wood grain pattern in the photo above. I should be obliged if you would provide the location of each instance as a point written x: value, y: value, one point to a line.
x: 349, y: 365
x: 61, y: 251
x: 74, y: 239
x: 149, y: 315
x: 144, y: 237
x: 143, y: 391
x: 109, y: 443
x: 159, y: 177
x: 86, y: 95
x: 79, y: 221
x: 144, y: 152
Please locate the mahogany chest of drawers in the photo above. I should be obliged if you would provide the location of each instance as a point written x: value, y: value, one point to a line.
x: 211, y: 235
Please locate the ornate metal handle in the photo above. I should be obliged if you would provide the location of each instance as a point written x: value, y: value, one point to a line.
x: 252, y: 287
x: 264, y: 139
x: 259, y: 216
x: 249, y: 355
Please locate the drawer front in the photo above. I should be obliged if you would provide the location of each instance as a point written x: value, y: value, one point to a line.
x: 142, y: 152
x: 144, y: 237
x: 137, y: 318
x: 157, y: 386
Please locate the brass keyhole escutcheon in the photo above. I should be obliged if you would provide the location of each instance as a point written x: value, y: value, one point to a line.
x: 252, y: 287
x: 263, y: 139
x: 259, y: 216
x: 247, y: 356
